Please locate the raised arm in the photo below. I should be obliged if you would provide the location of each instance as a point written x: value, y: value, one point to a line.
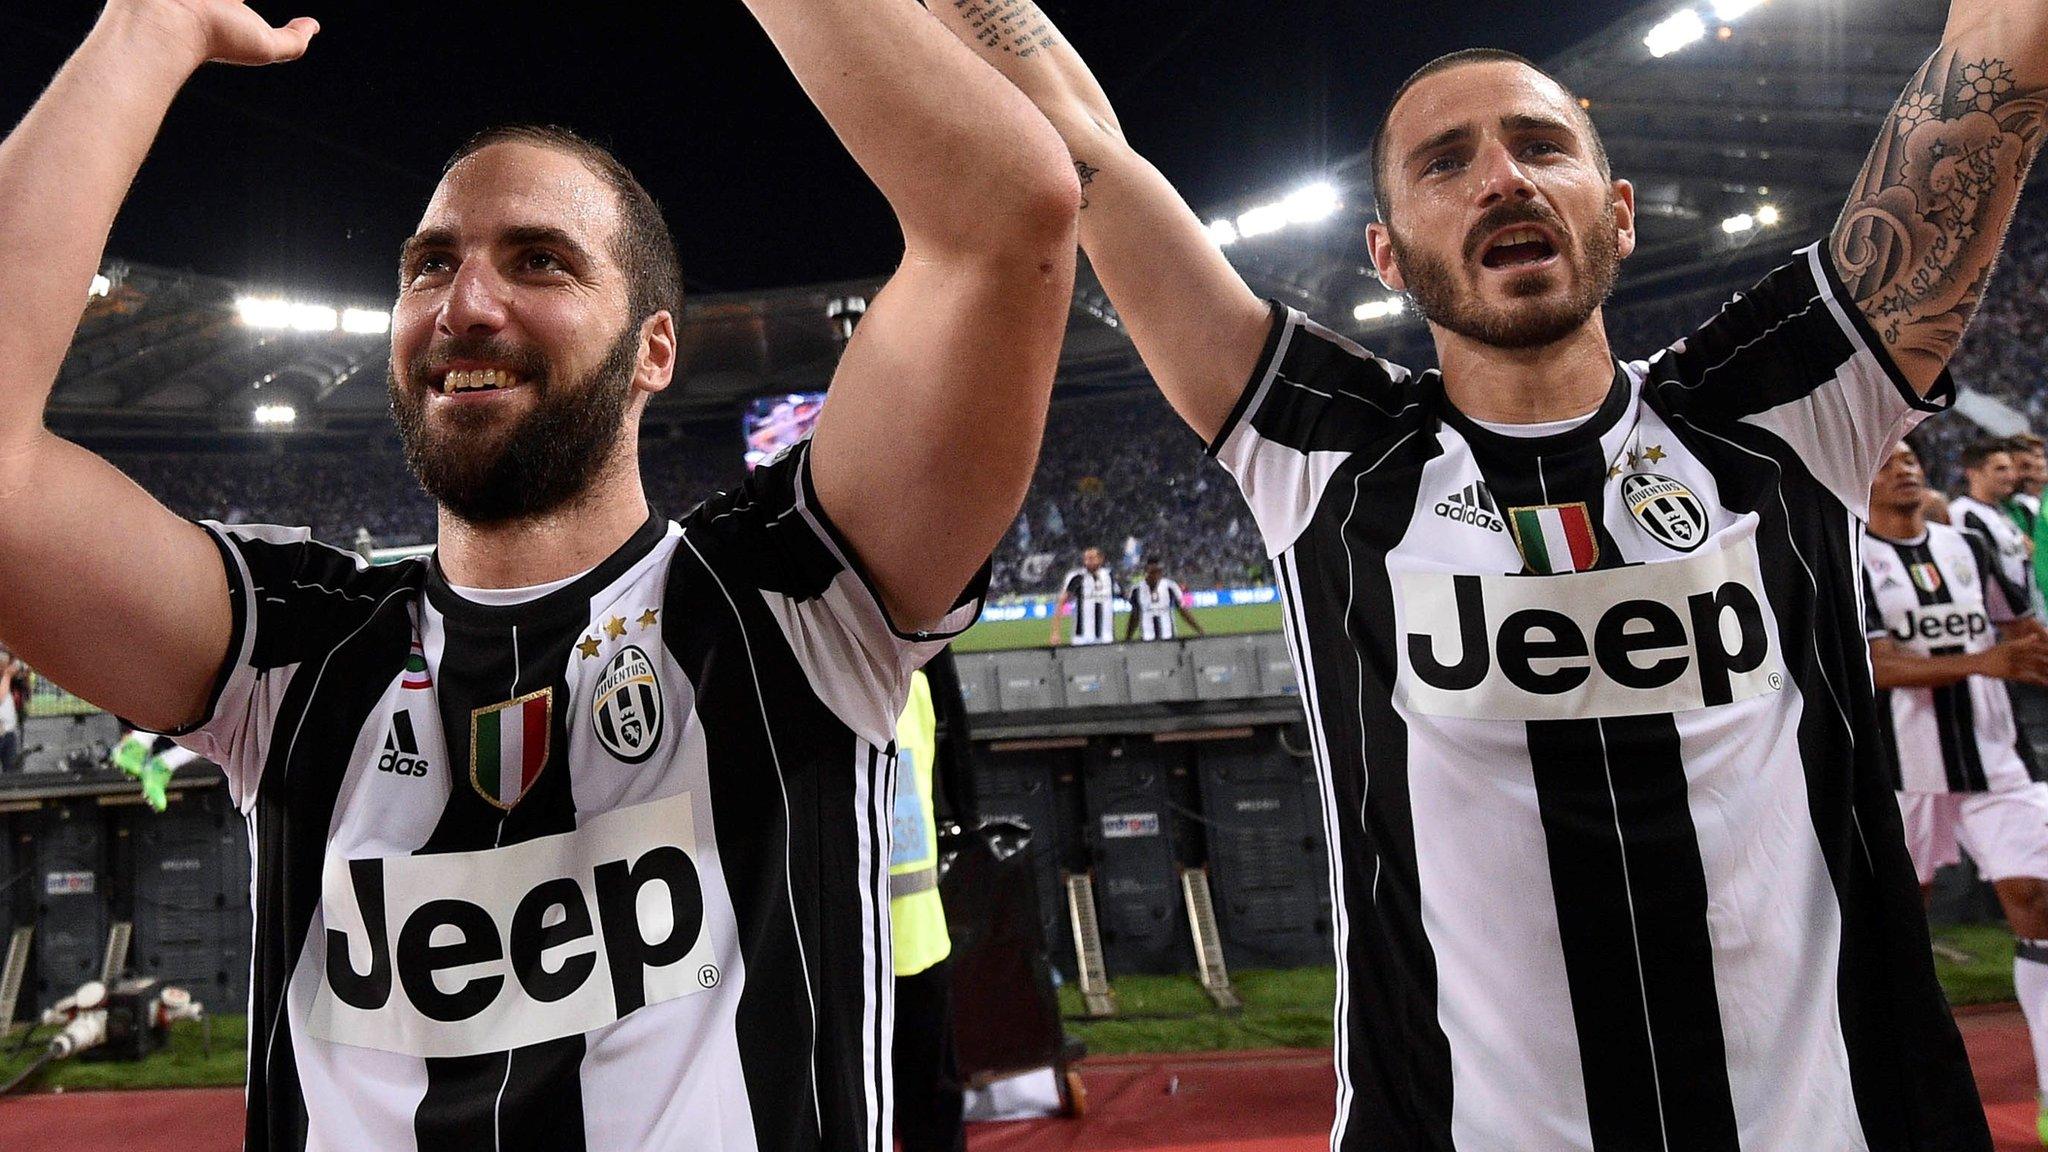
x: 107, y: 592
x: 1197, y: 324
x: 1917, y: 240
x: 927, y: 442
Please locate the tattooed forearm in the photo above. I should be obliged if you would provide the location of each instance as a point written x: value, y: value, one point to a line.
x: 1013, y: 26
x: 1917, y: 240
x: 1087, y: 174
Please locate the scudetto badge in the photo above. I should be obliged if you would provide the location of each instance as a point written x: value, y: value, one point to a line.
x: 627, y: 707
x: 1666, y: 509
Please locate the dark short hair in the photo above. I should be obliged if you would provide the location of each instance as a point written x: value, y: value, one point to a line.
x: 643, y: 246
x: 1976, y: 452
x: 2023, y: 442
x: 1459, y: 59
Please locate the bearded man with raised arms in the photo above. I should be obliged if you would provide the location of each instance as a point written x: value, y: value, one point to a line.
x: 575, y: 834
x: 1615, y: 863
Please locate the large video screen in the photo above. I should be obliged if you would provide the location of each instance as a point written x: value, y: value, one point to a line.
x: 775, y: 422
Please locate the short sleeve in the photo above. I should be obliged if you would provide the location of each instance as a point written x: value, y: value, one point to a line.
x: 292, y: 600
x: 773, y: 535
x: 1795, y: 356
x: 1314, y: 400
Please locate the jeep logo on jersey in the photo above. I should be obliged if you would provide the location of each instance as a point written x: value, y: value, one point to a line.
x: 461, y: 953
x: 1666, y: 509
x: 1941, y: 625
x: 1648, y: 638
x: 627, y: 708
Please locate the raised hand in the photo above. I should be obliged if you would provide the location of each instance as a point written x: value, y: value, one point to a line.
x: 228, y: 31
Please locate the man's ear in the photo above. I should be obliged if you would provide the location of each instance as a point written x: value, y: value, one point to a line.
x: 1624, y: 218
x: 657, y: 366
x: 1380, y: 240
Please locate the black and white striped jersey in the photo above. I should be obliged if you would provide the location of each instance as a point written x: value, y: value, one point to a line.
x: 1155, y: 608
x: 1930, y: 596
x: 605, y: 868
x: 1094, y: 598
x: 1616, y: 864
x: 2010, y: 550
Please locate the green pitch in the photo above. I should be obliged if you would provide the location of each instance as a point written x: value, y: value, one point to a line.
x: 1158, y: 1014
x: 990, y: 636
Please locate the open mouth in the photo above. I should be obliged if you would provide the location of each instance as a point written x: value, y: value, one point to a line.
x: 1518, y: 248
x: 464, y: 381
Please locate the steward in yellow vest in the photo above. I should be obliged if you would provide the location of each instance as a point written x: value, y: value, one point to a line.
x: 916, y: 917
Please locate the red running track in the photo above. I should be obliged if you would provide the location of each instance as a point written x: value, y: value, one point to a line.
x: 1275, y: 1101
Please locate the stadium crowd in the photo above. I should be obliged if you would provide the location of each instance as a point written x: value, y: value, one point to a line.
x: 1119, y: 470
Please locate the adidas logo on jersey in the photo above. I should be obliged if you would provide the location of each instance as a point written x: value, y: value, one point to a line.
x: 1473, y: 505
x: 462, y: 953
x: 402, y: 749
x: 1648, y: 638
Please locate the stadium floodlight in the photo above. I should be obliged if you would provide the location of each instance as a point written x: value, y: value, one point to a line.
x: 1379, y: 309
x: 1738, y: 224
x: 276, y: 415
x: 1223, y: 232
x: 271, y: 312
x: 365, y: 321
x: 100, y: 286
x: 1768, y: 216
x: 1316, y: 202
x: 1674, y: 32
x: 264, y: 312
x: 314, y: 318
x: 1729, y: 11
x: 1261, y: 220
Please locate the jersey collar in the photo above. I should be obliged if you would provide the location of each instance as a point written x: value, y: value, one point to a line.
x: 1591, y: 429
x: 571, y: 600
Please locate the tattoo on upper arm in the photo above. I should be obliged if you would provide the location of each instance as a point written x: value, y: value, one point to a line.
x: 1016, y: 27
x: 1087, y: 174
x: 1916, y: 243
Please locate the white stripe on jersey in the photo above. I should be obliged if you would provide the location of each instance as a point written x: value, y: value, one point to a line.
x: 1296, y: 633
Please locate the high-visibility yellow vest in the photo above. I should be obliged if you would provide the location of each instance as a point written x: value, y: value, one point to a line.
x: 916, y: 918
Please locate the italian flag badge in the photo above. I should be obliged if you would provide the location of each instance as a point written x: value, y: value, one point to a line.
x: 1555, y: 538
x: 508, y: 746
x: 417, y: 677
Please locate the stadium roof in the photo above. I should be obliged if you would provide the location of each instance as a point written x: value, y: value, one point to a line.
x: 1766, y: 115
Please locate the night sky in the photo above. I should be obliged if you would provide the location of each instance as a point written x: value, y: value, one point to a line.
x: 306, y: 176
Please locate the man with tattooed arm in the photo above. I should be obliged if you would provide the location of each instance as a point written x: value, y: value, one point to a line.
x: 1615, y: 864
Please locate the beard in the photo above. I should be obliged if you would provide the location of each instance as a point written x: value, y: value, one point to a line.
x: 546, y: 461
x: 1446, y: 299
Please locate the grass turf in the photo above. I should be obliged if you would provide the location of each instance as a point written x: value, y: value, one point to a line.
x: 183, y: 1063
x: 991, y: 635
x: 1984, y: 974
x: 1282, y: 1009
